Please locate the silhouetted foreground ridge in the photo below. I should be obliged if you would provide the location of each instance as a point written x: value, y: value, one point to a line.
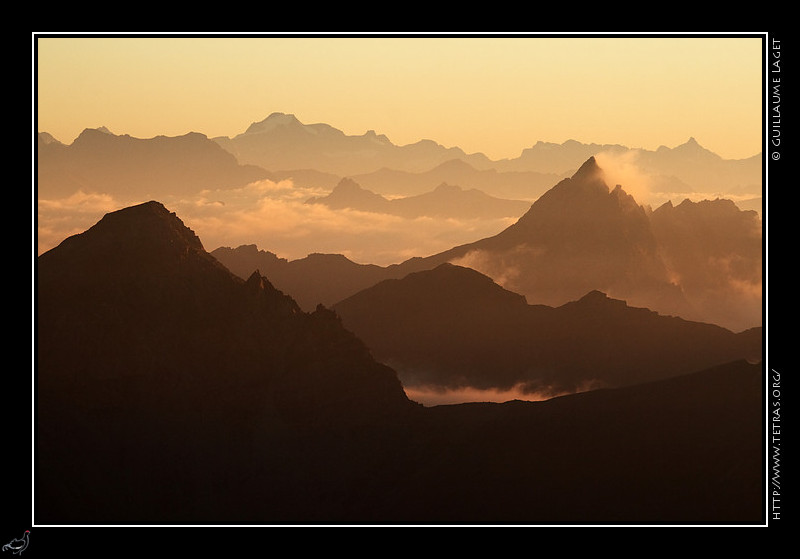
x: 171, y: 391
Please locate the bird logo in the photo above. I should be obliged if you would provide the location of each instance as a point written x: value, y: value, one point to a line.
x: 17, y: 546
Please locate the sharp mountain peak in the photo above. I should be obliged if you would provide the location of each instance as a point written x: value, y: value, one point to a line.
x: 589, y: 170
x: 140, y: 227
x: 273, y: 121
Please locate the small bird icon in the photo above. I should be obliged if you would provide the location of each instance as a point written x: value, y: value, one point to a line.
x: 17, y: 546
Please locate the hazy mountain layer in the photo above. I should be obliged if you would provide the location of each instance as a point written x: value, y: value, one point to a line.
x: 523, y: 185
x: 687, y: 168
x: 132, y: 168
x: 715, y: 252
x: 445, y: 201
x: 582, y: 236
x: 282, y: 142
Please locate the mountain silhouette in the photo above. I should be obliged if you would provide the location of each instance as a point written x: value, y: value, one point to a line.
x: 686, y: 168
x: 579, y: 236
x: 445, y: 201
x: 170, y: 391
x: 704, y: 170
x: 281, y: 142
x: 582, y: 235
x: 316, y: 279
x: 633, y: 455
x: 145, y: 277
x: 452, y: 327
x: 130, y: 168
x: 523, y: 185
x: 153, y: 355
x: 349, y: 194
x: 549, y: 157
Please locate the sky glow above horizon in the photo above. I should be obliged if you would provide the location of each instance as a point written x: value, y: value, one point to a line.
x: 489, y: 94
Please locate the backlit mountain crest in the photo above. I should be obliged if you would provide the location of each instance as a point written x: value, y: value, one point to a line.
x: 272, y: 122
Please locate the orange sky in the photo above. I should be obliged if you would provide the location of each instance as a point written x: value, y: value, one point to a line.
x: 487, y: 94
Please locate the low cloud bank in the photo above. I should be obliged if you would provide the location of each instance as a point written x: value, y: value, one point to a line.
x: 274, y: 216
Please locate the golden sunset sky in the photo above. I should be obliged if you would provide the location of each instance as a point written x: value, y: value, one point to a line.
x: 484, y: 94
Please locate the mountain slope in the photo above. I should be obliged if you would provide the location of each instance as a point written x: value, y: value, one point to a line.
x: 452, y: 327
x: 145, y: 277
x: 680, y: 451
x: 152, y: 356
x: 579, y: 236
x: 715, y: 251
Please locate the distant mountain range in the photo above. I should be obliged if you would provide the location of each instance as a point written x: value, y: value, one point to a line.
x: 582, y: 236
x: 170, y: 391
x: 281, y: 142
x: 524, y: 185
x: 132, y: 168
x: 320, y: 156
x: 445, y: 201
x: 688, y: 167
x: 452, y: 327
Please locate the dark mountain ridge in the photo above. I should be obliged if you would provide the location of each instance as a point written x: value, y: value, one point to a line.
x: 452, y: 327
x: 143, y: 275
x: 168, y: 391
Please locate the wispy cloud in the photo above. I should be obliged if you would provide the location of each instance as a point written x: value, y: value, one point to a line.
x: 623, y: 169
